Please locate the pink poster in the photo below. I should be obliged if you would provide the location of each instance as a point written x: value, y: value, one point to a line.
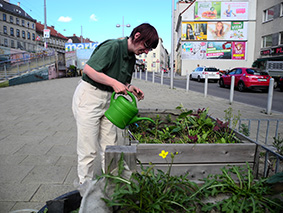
x: 238, y: 50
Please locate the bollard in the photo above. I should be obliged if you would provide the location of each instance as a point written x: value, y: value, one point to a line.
x: 146, y: 75
x: 136, y: 73
x: 162, y: 75
x: 205, y: 85
x: 153, y: 76
x: 188, y: 82
x: 270, y: 96
x: 140, y: 74
x: 232, y: 89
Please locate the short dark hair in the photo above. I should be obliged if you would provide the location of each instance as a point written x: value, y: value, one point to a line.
x: 148, y: 34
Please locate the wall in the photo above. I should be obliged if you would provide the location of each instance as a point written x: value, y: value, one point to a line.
x: 187, y: 65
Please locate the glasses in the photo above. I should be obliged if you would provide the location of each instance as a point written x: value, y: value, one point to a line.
x: 147, y: 47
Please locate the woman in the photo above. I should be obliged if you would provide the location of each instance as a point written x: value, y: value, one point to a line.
x: 109, y: 69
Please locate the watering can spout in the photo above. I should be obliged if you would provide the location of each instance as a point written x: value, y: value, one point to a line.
x: 136, y: 119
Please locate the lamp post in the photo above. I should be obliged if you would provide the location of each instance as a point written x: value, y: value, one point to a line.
x: 118, y: 25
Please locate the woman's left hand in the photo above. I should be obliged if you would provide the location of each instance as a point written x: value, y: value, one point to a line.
x: 136, y: 91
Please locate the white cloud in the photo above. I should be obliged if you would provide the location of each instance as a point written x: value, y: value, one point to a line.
x: 64, y: 19
x: 93, y: 17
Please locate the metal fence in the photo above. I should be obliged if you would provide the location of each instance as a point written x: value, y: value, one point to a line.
x: 262, y: 132
x: 265, y: 133
x: 18, y: 64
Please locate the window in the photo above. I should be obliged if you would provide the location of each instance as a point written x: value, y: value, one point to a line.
x: 154, y: 55
x: 23, y: 23
x: 12, y: 43
x: 11, y: 19
x: 23, y: 34
x: 4, y: 17
x: 12, y: 31
x: 33, y: 36
x: 281, y: 9
x: 267, y: 41
x: 32, y: 25
x: 268, y: 14
x: 6, y: 42
x: 5, y: 29
x: 17, y: 21
x: 18, y: 33
x: 28, y: 35
x: 27, y: 24
x: 281, y: 38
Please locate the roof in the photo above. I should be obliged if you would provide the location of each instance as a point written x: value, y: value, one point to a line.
x: 53, y: 32
x: 14, y: 9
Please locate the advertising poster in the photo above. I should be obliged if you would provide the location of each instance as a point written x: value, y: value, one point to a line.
x: 219, y: 50
x: 234, y: 10
x: 207, y: 10
x: 239, y: 50
x: 193, y: 50
x: 194, y: 31
x: 236, y: 30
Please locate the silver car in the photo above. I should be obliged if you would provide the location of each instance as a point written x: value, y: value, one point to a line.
x: 200, y: 72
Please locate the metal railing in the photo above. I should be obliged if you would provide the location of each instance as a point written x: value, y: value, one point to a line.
x: 263, y: 133
x: 20, y: 63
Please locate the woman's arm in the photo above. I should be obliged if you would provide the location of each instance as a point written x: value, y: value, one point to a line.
x: 100, y: 77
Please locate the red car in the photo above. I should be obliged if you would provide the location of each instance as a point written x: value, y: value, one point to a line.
x: 246, y: 78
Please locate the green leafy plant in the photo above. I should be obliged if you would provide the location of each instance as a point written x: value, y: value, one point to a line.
x: 150, y: 191
x: 188, y: 127
x: 278, y: 144
x: 245, y: 193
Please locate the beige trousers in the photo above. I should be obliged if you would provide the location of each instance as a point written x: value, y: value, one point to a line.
x: 94, y: 130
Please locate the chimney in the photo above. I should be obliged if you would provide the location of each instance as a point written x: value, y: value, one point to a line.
x: 74, y: 34
x: 52, y: 26
x: 19, y: 4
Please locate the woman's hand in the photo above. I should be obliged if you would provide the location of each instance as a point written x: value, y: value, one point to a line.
x: 136, y: 91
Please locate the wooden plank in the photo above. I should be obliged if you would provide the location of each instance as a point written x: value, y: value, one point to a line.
x: 113, y: 155
x: 197, y: 153
x: 196, y: 171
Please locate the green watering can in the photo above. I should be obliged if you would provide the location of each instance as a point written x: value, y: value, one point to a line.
x: 122, y: 112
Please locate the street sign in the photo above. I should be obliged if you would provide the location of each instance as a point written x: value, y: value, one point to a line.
x: 37, y: 38
x: 46, y: 33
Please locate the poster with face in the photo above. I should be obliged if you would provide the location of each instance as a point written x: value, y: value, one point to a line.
x: 219, y: 50
x: 194, y: 31
x: 239, y: 50
x: 207, y: 10
x: 236, y: 30
x: 193, y: 50
x: 234, y: 10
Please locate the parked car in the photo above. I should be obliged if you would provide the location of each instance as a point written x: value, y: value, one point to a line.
x: 280, y: 84
x: 200, y: 72
x: 246, y: 78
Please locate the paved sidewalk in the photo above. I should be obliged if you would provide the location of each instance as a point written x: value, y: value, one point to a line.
x: 38, y: 135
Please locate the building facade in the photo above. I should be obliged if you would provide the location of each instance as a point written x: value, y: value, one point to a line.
x: 217, y: 33
x: 17, y: 28
x: 269, y: 32
x: 156, y: 60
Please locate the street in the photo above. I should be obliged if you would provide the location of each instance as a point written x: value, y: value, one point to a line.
x: 251, y: 97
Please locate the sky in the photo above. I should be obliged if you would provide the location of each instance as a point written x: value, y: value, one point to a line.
x: 97, y: 19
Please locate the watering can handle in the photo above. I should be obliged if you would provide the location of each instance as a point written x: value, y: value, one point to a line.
x: 129, y: 93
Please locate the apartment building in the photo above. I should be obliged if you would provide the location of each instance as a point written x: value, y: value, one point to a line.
x: 17, y: 28
x: 217, y: 33
x: 269, y: 32
x: 156, y: 60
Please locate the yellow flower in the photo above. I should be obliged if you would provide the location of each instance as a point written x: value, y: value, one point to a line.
x: 163, y: 154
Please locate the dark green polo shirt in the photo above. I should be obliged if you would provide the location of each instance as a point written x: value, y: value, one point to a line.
x: 112, y: 58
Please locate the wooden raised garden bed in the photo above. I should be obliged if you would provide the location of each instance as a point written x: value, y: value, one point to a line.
x: 197, y: 160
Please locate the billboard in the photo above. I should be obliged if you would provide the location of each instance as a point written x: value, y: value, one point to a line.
x: 75, y: 46
x: 217, y: 10
x: 236, y: 30
x: 214, y: 50
x: 194, y: 31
